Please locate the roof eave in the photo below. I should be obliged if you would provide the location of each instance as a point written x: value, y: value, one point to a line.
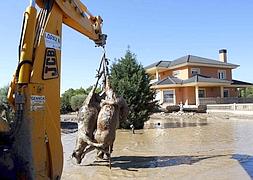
x: 240, y: 86
x: 165, y: 86
x: 206, y: 84
x: 202, y: 84
x: 231, y: 66
x: 154, y: 69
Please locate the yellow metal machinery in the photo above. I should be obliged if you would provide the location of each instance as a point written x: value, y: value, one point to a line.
x: 34, y: 142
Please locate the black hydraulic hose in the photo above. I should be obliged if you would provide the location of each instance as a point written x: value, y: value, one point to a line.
x: 37, y: 30
x: 48, y: 5
x: 21, y: 36
x: 21, y: 64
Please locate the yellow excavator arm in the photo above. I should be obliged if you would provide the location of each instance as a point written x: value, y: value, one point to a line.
x: 77, y: 16
x: 34, y: 91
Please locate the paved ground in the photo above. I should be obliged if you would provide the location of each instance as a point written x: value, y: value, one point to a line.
x: 186, y: 147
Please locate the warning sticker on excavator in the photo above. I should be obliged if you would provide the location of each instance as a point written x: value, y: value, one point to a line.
x: 52, y: 41
x: 37, y: 102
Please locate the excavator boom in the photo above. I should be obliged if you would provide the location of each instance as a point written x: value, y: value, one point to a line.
x: 35, y: 136
x: 77, y: 16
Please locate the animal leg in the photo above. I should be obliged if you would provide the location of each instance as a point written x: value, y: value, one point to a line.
x: 110, y: 161
x: 100, y: 154
x: 77, y: 153
x: 88, y: 149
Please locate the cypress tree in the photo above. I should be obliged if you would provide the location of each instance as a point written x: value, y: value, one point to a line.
x: 129, y: 80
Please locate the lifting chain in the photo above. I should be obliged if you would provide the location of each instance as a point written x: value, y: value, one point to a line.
x: 102, y: 71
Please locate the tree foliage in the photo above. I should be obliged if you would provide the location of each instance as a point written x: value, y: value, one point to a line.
x: 3, y: 95
x: 72, y: 99
x: 77, y: 101
x: 247, y: 92
x: 66, y: 99
x: 5, y: 108
x: 129, y: 79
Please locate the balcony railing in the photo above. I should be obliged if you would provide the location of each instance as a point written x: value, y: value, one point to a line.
x: 226, y: 100
x: 230, y: 107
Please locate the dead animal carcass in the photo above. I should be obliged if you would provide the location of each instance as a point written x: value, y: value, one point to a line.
x: 87, y: 123
x: 98, y: 123
x: 112, y: 109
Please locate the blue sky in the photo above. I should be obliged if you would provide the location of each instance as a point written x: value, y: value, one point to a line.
x: 155, y: 30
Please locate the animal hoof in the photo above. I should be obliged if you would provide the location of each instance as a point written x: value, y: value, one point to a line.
x: 106, y: 156
x: 78, y: 159
x: 100, y: 155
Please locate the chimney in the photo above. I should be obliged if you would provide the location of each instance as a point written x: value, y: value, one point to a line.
x: 223, y: 55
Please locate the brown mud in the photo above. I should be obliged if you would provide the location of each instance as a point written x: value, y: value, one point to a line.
x: 173, y: 146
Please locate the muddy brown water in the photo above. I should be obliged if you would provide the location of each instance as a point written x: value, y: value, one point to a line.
x: 211, y: 147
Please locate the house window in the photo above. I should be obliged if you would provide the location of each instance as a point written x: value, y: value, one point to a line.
x: 158, y: 95
x: 226, y: 93
x: 195, y: 71
x: 222, y: 74
x: 202, y: 93
x: 168, y: 96
x: 176, y: 73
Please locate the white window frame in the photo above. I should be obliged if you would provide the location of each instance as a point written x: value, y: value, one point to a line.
x: 202, y: 89
x: 195, y: 70
x: 158, y: 95
x: 174, y: 95
x: 222, y: 72
x: 224, y: 92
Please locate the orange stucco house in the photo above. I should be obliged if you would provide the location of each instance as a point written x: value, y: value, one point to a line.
x: 193, y: 80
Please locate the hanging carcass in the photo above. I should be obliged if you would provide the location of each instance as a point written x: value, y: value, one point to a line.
x: 97, y: 126
x: 112, y: 110
x: 87, y: 123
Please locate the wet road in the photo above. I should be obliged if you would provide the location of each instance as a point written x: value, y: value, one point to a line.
x: 208, y: 147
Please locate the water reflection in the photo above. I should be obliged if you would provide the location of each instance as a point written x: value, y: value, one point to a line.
x: 212, y: 146
x: 174, y: 123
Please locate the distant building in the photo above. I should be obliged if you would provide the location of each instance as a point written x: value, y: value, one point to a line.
x: 193, y: 80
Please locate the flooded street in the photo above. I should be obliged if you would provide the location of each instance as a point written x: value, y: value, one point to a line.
x: 199, y: 147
